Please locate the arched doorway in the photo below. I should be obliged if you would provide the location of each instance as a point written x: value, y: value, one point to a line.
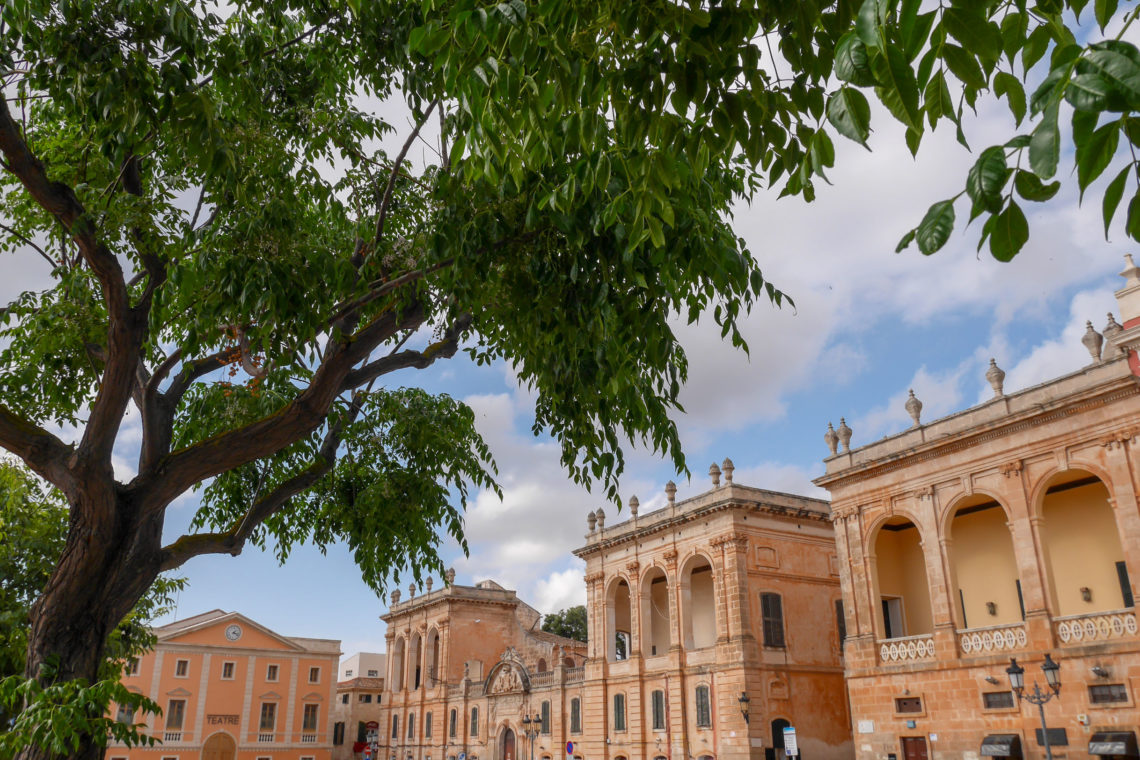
x: 220, y: 746
x: 507, y: 745
x: 900, y: 566
x: 776, y: 751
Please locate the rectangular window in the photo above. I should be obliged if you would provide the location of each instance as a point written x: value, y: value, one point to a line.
x: 125, y: 715
x: 908, y: 705
x: 361, y: 732
x: 175, y: 714
x: 840, y: 622
x: 474, y: 721
x: 395, y: 727
x: 704, y: 711
x: 772, y: 613
x: 314, y: 675
x: 228, y: 671
x: 658, y: 710
x: 268, y: 720
x: 619, y: 712
x: 344, y: 699
x: 348, y: 674
x: 373, y: 673
x: 575, y: 716
x: 309, y: 719
x: 892, y: 618
x: 271, y: 673
x: 1107, y: 693
x: 411, y: 725
x: 378, y: 698
x: 546, y: 717
x: 427, y: 725
x: 181, y: 668
x: 338, y: 733
x: 451, y: 726
x: 366, y: 698
x: 1125, y: 585
x: 997, y: 700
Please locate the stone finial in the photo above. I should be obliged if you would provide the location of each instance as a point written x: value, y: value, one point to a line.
x: 601, y: 513
x: 633, y: 505
x: 914, y: 408
x: 411, y: 591
x: 1093, y: 341
x: 1110, y: 331
x: 831, y: 439
x: 1131, y: 272
x: 591, y: 521
x: 395, y: 596
x: 727, y: 467
x: 844, y: 434
x: 996, y: 377
x: 428, y: 584
x: 449, y: 576
x: 714, y: 473
x: 671, y: 492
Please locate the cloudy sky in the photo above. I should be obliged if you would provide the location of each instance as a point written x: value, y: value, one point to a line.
x: 868, y: 325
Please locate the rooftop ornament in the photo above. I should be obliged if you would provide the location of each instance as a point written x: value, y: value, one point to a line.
x: 601, y: 518
x: 714, y: 473
x: 671, y: 492
x: 996, y: 377
x: 844, y: 434
x: 914, y: 408
x: 1110, y: 331
x: 449, y: 576
x: 831, y: 439
x: 591, y: 521
x: 633, y: 505
x: 1093, y: 341
x: 727, y: 467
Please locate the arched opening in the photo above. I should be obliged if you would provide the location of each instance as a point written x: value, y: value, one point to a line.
x: 398, y: 651
x: 904, y: 592
x: 618, y: 621
x: 220, y: 746
x: 568, y: 662
x: 984, y: 577
x: 542, y: 666
x: 655, y: 618
x: 698, y: 603
x: 507, y: 744
x: 415, y: 658
x: 433, y: 674
x: 776, y: 751
x: 1086, y: 566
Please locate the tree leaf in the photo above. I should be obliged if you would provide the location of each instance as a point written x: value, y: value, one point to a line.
x: 937, y: 100
x: 1010, y: 86
x: 850, y: 114
x: 1009, y: 233
x: 1104, y: 11
x: 964, y: 66
x: 851, y: 62
x: 1133, y: 222
x: 897, y: 87
x: 1030, y: 187
x: 1045, y: 145
x: 1095, y: 153
x: 1112, y: 196
x: 986, y: 179
x: 935, y: 228
x: 968, y: 25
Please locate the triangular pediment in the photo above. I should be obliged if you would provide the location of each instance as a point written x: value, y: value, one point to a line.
x: 312, y: 696
x: 225, y: 629
x: 179, y: 692
x: 270, y: 695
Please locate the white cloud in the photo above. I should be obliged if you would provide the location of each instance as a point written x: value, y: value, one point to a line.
x: 561, y: 589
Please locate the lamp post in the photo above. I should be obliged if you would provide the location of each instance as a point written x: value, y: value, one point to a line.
x: 530, y: 728
x: 744, y: 700
x: 1037, y: 697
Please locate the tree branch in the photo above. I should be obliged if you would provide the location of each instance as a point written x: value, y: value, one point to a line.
x: 442, y: 349
x: 387, y: 200
x: 28, y: 241
x: 43, y: 452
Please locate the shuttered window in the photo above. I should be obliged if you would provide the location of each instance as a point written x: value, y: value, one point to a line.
x: 658, y: 710
x: 704, y: 713
x: 772, y: 613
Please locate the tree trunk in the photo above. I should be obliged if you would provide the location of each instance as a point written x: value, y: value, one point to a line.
x: 109, y: 561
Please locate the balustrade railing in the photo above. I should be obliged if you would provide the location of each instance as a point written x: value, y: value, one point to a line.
x: 308, y: 738
x: 171, y: 736
x: 542, y: 679
x: 575, y: 674
x: 996, y: 638
x: 907, y: 648
x: 265, y: 737
x: 1097, y: 626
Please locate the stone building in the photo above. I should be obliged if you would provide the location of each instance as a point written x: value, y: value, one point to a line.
x: 231, y: 689
x: 466, y: 665
x: 713, y: 626
x: 357, y: 708
x: 1011, y: 529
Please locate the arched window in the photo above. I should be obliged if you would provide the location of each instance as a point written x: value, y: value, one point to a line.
x: 776, y: 751
x: 398, y: 665
x: 546, y: 717
x: 415, y: 658
x: 575, y: 716
x: 411, y: 725
x: 983, y: 569
x: 619, y: 712
x: 568, y: 661
x: 474, y: 721
x: 704, y: 712
x: 698, y: 603
x: 433, y: 674
x: 655, y: 613
x: 658, y: 710
x: 904, y: 593
x: 451, y: 724
x: 772, y: 616
x: 542, y: 665
x: 395, y: 726
x: 427, y: 725
x: 618, y: 621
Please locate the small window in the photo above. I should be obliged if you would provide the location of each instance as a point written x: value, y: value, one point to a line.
x: 344, y: 699
x: 132, y: 668
x: 271, y: 673
x: 378, y: 698
x: 772, y: 614
x: 366, y: 699
x: 546, y: 717
x: 474, y: 721
x: 411, y: 725
x: 619, y: 712
x: 1107, y: 693
x: 997, y: 700
x: 840, y: 622
x: 658, y: 710
x: 908, y: 705
x: 395, y: 726
x: 451, y: 724
x: 125, y: 715
x: 314, y: 675
x: 181, y: 668
x: 309, y: 719
x: 373, y: 673
x: 228, y: 671
x: 170, y: 757
x: 427, y: 725
x: 338, y: 733
x: 175, y: 714
x: 362, y: 732
x: 575, y: 716
x: 704, y: 713
x: 268, y: 716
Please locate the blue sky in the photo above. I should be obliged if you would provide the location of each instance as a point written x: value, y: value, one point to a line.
x: 869, y: 324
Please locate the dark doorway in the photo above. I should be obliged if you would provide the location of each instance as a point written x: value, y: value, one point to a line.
x: 507, y: 745
x: 776, y: 751
x: 914, y: 748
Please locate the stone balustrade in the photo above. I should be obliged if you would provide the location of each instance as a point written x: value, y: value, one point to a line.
x: 574, y: 675
x: 990, y: 639
x: 907, y: 648
x: 1097, y: 626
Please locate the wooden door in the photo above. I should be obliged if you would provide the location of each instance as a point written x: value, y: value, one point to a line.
x: 220, y: 746
x: 508, y: 744
x: 914, y: 748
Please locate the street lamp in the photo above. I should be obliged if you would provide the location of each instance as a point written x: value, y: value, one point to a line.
x: 531, y: 728
x: 744, y: 700
x: 1037, y: 697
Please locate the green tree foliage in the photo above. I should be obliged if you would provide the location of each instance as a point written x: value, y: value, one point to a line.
x: 570, y: 622
x: 208, y: 193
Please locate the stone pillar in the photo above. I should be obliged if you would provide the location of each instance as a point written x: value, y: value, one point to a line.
x: 675, y: 629
x: 1025, y: 530
x: 1122, y: 498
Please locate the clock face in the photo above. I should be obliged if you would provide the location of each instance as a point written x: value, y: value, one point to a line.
x: 233, y: 632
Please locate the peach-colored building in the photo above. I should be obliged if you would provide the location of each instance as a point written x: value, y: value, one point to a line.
x: 1011, y: 529
x: 231, y: 689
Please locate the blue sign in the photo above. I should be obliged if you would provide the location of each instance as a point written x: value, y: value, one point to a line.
x: 569, y: 748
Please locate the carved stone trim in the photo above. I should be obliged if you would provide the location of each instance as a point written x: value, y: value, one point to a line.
x: 1011, y: 469
x: 1119, y: 438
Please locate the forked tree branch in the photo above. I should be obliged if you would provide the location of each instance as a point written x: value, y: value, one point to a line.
x: 47, y: 455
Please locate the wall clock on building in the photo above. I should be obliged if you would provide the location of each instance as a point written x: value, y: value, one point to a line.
x: 233, y: 632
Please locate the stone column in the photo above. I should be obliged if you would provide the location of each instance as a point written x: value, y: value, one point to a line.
x: 1122, y: 498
